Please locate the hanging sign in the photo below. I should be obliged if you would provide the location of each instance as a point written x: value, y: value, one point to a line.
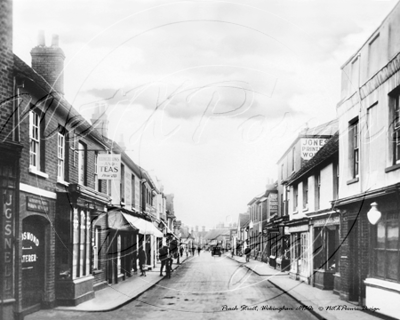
x: 109, y: 166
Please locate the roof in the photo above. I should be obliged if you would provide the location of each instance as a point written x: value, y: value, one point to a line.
x: 73, y: 117
x: 326, y: 152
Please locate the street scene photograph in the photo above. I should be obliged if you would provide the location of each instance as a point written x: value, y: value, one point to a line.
x: 199, y: 159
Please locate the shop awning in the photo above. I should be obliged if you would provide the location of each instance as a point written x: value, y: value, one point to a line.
x: 118, y: 221
x: 144, y: 227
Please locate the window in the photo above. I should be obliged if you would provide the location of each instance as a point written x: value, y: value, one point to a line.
x: 96, y: 247
x: 60, y: 156
x: 354, y: 148
x: 82, y: 164
x: 282, y: 171
x: 336, y: 181
x: 295, y: 198
x: 293, y: 157
x: 122, y: 183
x: 317, y: 190
x: 386, y: 247
x: 36, y: 147
x: 305, y: 194
x: 374, y: 56
x: 97, y: 182
x: 81, y: 244
x: 396, y: 128
x: 133, y: 190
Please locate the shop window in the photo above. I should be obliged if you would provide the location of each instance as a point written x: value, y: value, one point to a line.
x: 96, y: 247
x: 386, y: 248
x: 36, y: 144
x: 81, y: 244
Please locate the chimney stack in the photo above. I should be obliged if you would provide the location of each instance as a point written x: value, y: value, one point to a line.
x: 100, y: 120
x: 49, y: 62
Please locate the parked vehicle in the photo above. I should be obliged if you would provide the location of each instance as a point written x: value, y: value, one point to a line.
x: 216, y: 251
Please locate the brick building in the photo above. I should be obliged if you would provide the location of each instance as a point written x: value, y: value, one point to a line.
x: 10, y: 150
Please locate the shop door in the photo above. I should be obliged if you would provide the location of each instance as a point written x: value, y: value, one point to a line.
x: 33, y: 261
x: 353, y: 257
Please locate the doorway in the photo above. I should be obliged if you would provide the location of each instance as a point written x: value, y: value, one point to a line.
x: 354, y: 284
x: 33, y: 260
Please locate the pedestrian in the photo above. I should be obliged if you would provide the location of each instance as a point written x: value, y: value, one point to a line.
x: 181, y: 251
x: 187, y: 252
x: 193, y: 251
x: 142, y: 262
x: 198, y: 250
x: 247, y: 252
x: 163, y: 254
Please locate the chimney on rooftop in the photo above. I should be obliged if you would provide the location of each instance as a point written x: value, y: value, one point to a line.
x: 100, y: 120
x: 49, y: 62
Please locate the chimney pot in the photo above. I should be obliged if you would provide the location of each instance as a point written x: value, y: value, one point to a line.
x: 54, y: 40
x: 41, y: 39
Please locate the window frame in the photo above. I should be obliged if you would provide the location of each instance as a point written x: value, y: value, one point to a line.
x: 385, y: 220
x: 305, y: 194
x: 82, y: 156
x: 61, y: 156
x: 354, y: 148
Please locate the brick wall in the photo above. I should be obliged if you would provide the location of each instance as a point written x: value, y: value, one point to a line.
x: 6, y: 70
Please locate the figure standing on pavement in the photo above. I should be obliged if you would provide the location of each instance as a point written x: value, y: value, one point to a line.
x: 198, y: 250
x: 193, y: 251
x: 163, y: 254
x: 181, y: 251
x: 142, y: 262
x: 247, y: 253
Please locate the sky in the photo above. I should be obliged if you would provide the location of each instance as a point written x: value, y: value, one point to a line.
x: 205, y: 95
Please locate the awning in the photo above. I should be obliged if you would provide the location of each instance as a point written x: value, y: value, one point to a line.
x: 144, y: 227
x: 118, y: 221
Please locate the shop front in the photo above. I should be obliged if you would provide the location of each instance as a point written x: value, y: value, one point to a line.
x: 326, y: 247
x: 80, y: 270
x: 301, y: 263
x: 370, y: 251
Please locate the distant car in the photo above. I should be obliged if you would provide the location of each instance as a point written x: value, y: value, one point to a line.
x: 216, y: 251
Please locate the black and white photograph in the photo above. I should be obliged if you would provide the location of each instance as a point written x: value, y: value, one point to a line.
x: 199, y: 159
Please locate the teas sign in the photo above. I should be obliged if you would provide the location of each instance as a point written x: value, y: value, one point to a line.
x: 109, y: 166
x: 309, y: 147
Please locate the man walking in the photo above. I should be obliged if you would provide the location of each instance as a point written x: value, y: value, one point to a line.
x: 163, y: 253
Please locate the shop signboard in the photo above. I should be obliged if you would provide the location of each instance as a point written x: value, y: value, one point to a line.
x: 109, y: 166
x: 37, y: 204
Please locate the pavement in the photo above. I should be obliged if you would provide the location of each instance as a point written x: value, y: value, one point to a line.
x: 117, y: 295
x: 324, y: 304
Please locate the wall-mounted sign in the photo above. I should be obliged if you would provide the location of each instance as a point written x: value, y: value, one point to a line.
x: 310, y: 146
x: 109, y: 166
x: 8, y: 236
x: 37, y: 204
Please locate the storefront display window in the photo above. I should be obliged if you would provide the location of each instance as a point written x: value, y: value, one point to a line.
x: 386, y: 248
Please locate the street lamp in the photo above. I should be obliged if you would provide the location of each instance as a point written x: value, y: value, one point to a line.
x: 374, y: 215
